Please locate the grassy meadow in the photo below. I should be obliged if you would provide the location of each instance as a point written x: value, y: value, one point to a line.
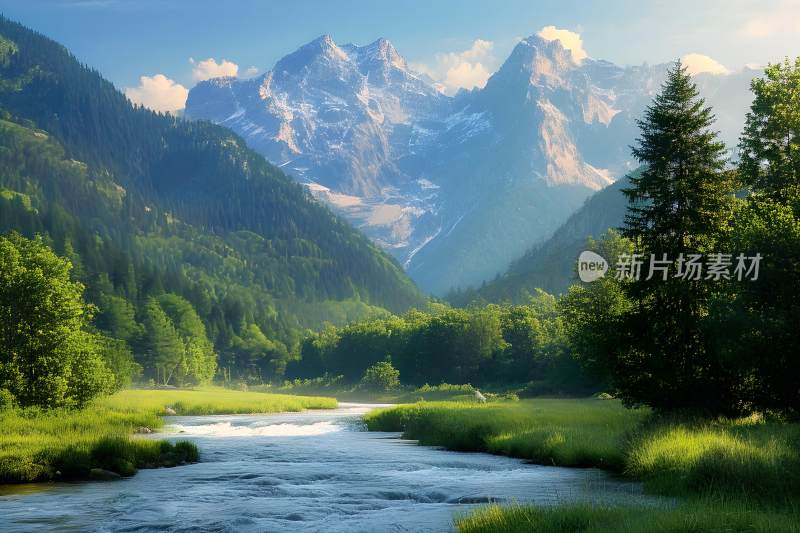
x: 727, y: 474
x: 41, y: 445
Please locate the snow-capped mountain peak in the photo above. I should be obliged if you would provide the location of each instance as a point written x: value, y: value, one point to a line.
x: 455, y: 187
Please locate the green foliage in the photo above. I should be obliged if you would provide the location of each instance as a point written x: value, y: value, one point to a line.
x: 48, y: 357
x: 165, y: 349
x: 594, y: 313
x: 482, y: 345
x: 118, y: 357
x: 757, y: 322
x: 7, y: 400
x: 770, y: 144
x: 381, y: 377
x: 197, y: 362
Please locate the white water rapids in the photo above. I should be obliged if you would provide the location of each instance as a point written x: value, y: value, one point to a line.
x: 310, y: 471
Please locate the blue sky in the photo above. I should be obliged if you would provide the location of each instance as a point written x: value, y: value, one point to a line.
x: 458, y: 42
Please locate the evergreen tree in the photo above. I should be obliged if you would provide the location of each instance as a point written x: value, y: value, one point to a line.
x: 164, y: 347
x: 679, y: 205
x: 198, y: 362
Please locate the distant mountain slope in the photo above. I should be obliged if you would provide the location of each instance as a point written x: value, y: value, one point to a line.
x: 174, y: 200
x: 455, y: 188
x: 551, y: 265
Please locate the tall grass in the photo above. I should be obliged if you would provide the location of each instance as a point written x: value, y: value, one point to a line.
x: 548, y: 431
x: 750, y: 457
x: 37, y: 445
x: 700, y: 516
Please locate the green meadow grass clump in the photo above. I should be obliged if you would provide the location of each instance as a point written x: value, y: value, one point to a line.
x: 745, y: 457
x: 697, y: 516
x: 560, y: 432
x: 40, y: 445
x: 213, y: 401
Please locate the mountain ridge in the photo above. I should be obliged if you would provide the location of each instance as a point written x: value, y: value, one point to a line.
x: 456, y: 188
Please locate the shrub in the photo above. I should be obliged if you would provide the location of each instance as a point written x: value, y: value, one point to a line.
x: 7, y: 399
x: 381, y: 377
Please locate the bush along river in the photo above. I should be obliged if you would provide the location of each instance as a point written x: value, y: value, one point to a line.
x: 309, y: 471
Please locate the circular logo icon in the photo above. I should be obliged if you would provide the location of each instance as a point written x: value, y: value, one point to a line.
x: 591, y: 266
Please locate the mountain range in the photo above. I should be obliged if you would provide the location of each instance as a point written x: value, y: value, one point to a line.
x: 144, y: 203
x: 455, y: 187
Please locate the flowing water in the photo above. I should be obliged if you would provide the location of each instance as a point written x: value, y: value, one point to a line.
x: 310, y: 471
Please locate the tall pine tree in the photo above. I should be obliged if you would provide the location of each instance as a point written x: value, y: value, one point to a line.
x: 679, y: 205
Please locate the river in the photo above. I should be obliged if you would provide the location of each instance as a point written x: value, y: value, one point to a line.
x: 310, y: 471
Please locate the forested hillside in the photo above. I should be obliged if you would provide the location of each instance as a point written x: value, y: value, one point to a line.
x: 551, y: 265
x: 145, y: 205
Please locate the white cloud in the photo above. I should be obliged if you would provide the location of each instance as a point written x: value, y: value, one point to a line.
x: 782, y: 18
x: 466, y: 75
x: 209, y: 68
x: 251, y: 71
x: 158, y: 93
x: 699, y: 63
x: 461, y: 70
x: 570, y: 40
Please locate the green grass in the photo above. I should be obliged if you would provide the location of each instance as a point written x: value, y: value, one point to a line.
x: 729, y: 475
x: 697, y: 516
x: 212, y: 401
x: 749, y: 458
x: 547, y: 431
x: 37, y: 445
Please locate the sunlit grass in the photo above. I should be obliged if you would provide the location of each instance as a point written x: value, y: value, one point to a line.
x: 548, y: 431
x: 39, y: 445
x: 696, y: 516
x: 759, y: 459
x: 211, y: 401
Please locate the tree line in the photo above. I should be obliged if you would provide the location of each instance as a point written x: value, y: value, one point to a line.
x: 482, y: 345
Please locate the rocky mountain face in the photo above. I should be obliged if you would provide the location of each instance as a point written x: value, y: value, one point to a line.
x: 455, y: 187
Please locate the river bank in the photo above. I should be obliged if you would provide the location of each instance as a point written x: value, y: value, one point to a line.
x: 725, y: 472
x: 97, y: 441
